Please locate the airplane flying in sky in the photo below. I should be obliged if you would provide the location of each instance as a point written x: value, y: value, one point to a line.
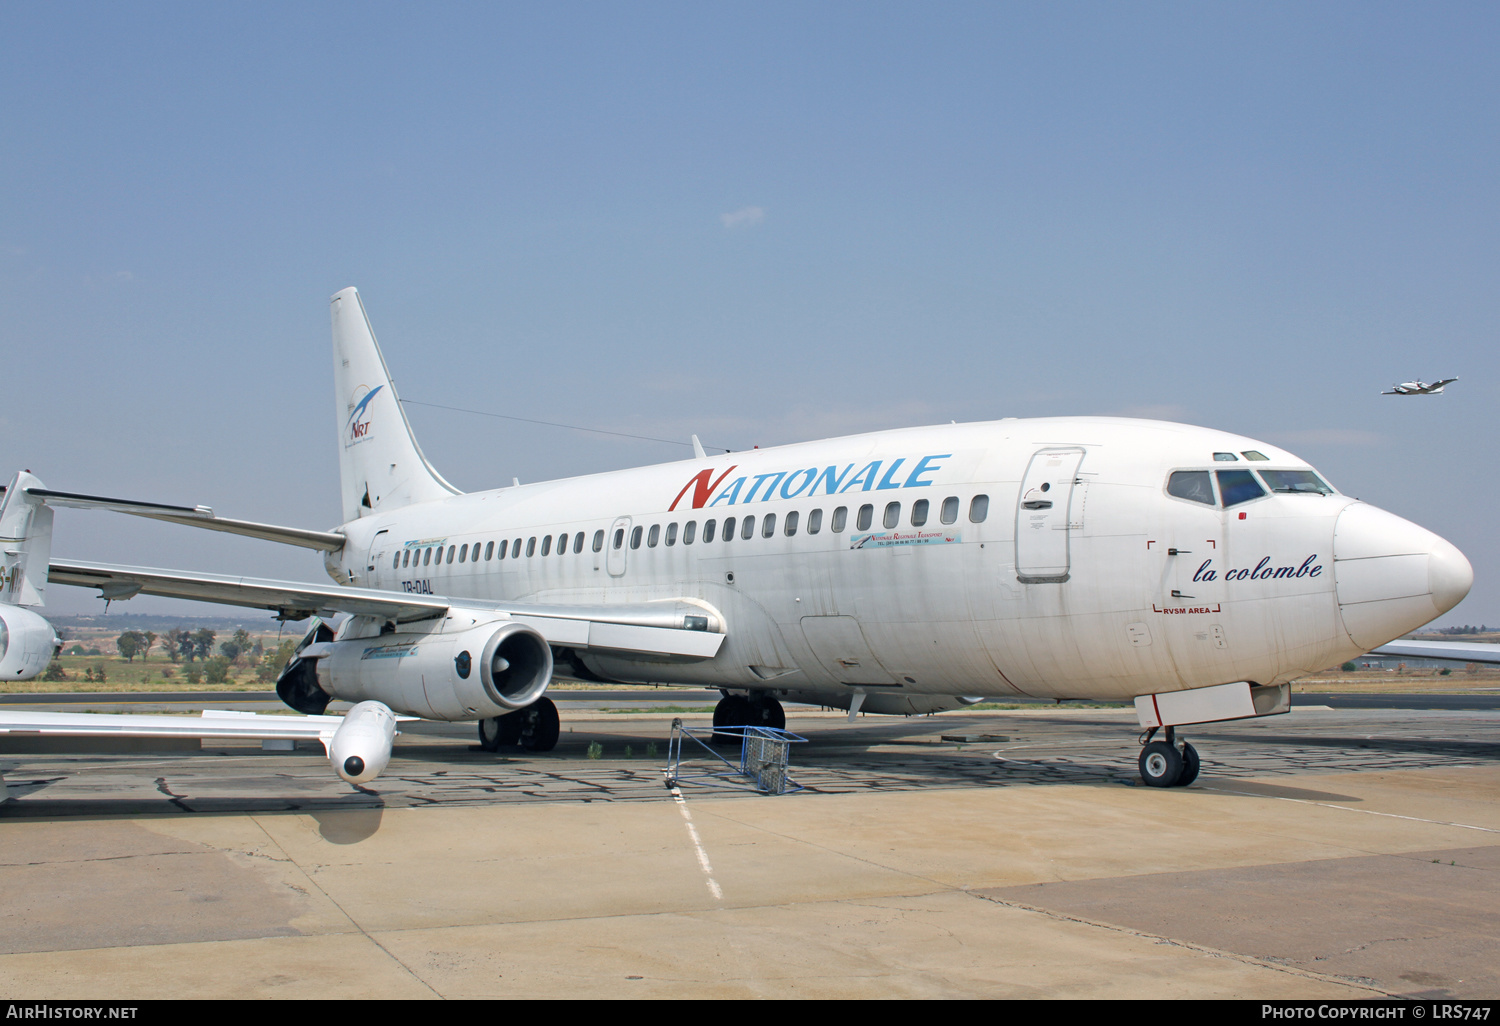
x: 1420, y: 387
x: 1191, y: 571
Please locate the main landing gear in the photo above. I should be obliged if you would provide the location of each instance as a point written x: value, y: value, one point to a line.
x: 535, y: 728
x: 740, y: 711
x: 1163, y: 764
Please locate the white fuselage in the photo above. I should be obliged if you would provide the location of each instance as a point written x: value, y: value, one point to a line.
x: 1075, y: 575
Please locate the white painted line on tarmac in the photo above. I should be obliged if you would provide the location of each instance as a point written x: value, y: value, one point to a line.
x: 708, y: 869
x: 1345, y: 808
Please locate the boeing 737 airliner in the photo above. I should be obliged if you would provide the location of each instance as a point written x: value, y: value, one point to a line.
x: 1191, y: 571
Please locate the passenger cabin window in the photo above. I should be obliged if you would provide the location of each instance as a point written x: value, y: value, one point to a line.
x: 489, y: 551
x: 578, y: 543
x: 919, y: 513
x: 426, y: 556
x: 728, y: 528
x: 689, y: 531
x: 515, y: 548
x: 654, y: 536
x: 979, y: 508
x: 708, y: 530
x: 406, y: 559
x: 747, y: 528
x: 463, y: 554
x: 671, y: 534
x: 530, y: 547
x: 619, y: 537
x: 396, y: 561
x: 501, y: 553
x: 815, y: 521
x: 950, y: 509
x: 451, y: 550
x: 768, y: 525
x: 562, y: 543
x: 840, y: 518
x: 599, y: 540
x: 635, y: 538
x: 791, y: 523
x: 1237, y: 486
x: 1303, y: 482
x: 866, y: 517
x: 892, y: 515
x: 1193, y: 485
x: 546, y: 544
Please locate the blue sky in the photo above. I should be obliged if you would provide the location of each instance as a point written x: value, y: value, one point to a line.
x: 761, y: 223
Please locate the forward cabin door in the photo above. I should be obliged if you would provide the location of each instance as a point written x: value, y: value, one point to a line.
x: 1043, y: 515
x: 615, y: 545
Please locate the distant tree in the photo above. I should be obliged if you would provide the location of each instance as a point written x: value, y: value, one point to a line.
x: 149, y: 639
x: 55, y: 671
x: 193, y: 675
x: 236, y: 646
x: 203, y: 642
x: 129, y: 644
x: 216, y: 670
x: 171, y: 643
x: 272, y: 663
x: 1349, y: 667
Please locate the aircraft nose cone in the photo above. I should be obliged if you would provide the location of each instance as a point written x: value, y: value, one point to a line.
x: 1392, y: 576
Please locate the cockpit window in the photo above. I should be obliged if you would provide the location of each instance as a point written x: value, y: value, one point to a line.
x: 1258, y: 457
x: 1191, y: 484
x: 1225, y: 457
x: 1304, y: 481
x: 1238, y: 486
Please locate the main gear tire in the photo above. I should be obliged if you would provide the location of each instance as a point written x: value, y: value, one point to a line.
x: 1190, y: 765
x: 1160, y: 765
x: 540, y: 726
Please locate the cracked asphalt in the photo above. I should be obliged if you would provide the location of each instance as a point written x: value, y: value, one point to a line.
x: 1328, y: 853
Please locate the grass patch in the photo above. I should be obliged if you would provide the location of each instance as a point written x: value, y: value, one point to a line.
x: 1040, y: 705
x: 664, y: 709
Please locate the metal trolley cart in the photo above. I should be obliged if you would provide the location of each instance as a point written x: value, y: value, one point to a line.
x: 765, y: 754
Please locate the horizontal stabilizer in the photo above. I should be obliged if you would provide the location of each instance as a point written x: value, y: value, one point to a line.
x: 195, y: 516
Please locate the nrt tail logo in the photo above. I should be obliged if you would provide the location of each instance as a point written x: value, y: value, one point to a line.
x: 358, y: 428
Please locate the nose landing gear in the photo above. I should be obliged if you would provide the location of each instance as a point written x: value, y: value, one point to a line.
x: 1163, y: 764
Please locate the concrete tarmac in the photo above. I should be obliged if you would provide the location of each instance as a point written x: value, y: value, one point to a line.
x: 1333, y: 853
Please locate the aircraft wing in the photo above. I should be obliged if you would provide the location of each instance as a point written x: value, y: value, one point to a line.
x: 670, y: 629
x: 212, y: 724
x: 195, y: 516
x: 1466, y: 651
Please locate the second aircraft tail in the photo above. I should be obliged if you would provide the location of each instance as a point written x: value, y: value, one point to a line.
x: 380, y: 464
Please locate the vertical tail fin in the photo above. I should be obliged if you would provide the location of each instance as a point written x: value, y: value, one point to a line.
x: 380, y: 464
x: 25, y: 543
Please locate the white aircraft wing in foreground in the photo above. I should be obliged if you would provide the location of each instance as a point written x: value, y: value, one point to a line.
x: 358, y: 744
x: 1467, y: 651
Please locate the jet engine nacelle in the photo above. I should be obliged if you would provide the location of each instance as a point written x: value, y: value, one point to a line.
x: 487, y: 670
x: 27, y: 643
x: 361, y: 747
